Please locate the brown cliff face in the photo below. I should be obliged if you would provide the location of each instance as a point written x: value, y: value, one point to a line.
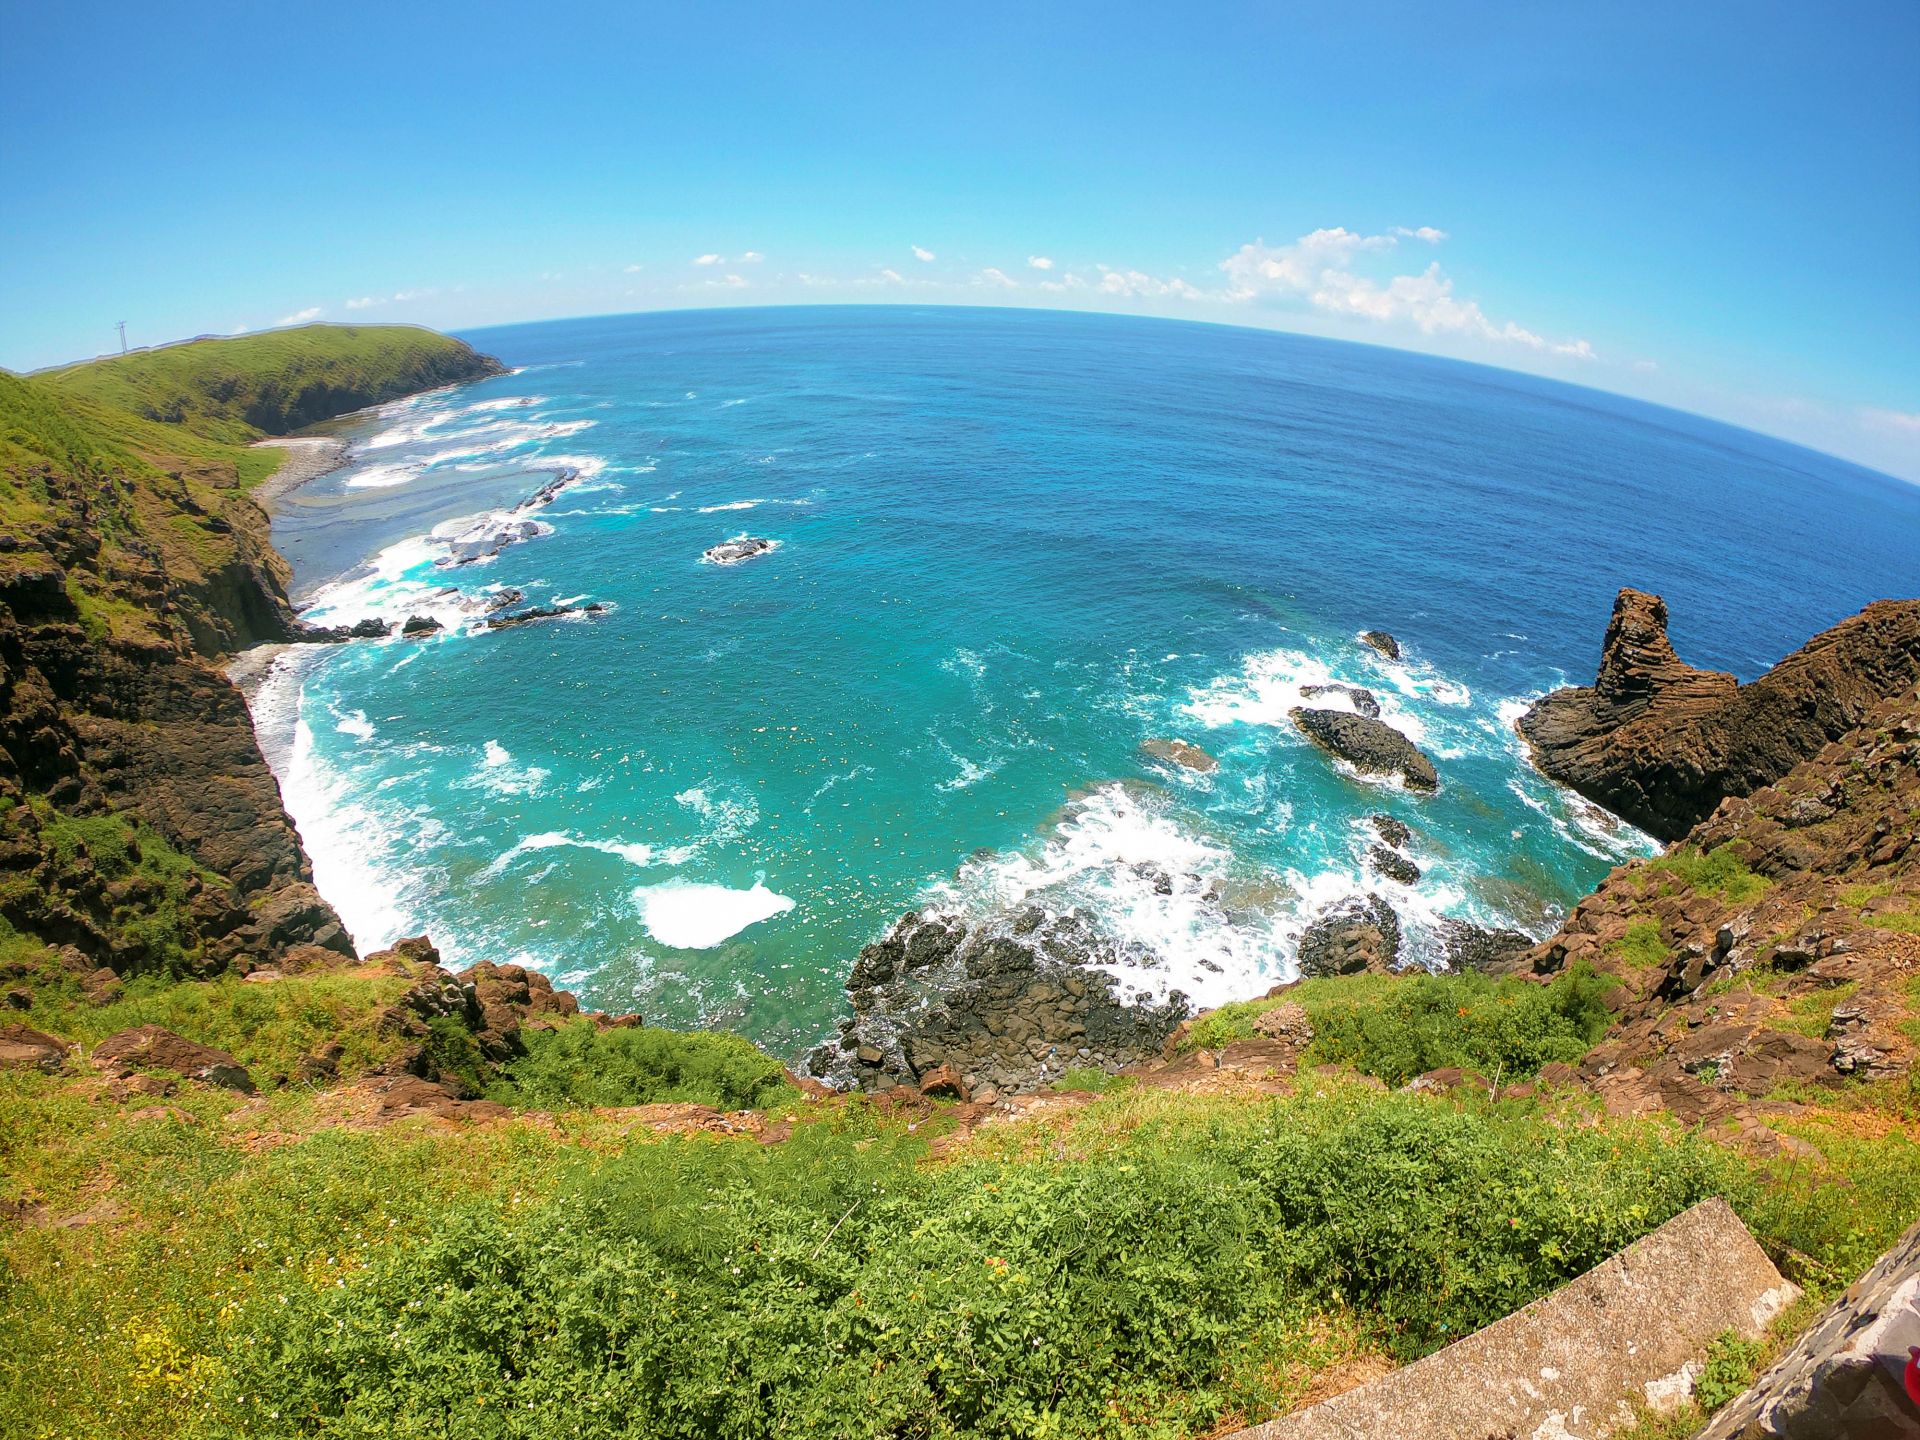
x: 1778, y: 946
x: 140, y: 828
x: 1661, y: 743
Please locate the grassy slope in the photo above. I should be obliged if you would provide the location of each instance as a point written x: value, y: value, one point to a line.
x: 236, y: 389
x: 1150, y: 1265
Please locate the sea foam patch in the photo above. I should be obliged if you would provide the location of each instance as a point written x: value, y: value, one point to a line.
x: 691, y: 916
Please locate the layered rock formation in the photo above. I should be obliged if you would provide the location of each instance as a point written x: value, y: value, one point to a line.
x: 1661, y: 743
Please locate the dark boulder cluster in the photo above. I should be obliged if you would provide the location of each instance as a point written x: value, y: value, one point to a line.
x: 1364, y: 701
x: 741, y: 547
x: 1361, y: 932
x: 1003, y: 1006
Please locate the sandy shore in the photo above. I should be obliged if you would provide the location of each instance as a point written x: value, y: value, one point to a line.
x: 307, y: 458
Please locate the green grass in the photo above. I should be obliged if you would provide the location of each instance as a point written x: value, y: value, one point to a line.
x: 1641, y: 946
x: 580, y: 1064
x: 1907, y: 922
x: 235, y: 389
x: 1397, y: 1027
x: 1719, y: 872
x: 1856, y: 896
x: 266, y: 1026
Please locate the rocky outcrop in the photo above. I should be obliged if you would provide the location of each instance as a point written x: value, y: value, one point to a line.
x: 1381, y: 641
x: 1845, y: 1378
x: 22, y: 1048
x: 542, y: 612
x: 1660, y: 743
x: 1180, y: 752
x: 1775, y: 946
x: 1361, y: 932
x: 741, y: 547
x: 1364, y: 701
x: 1008, y: 1005
x: 149, y: 1047
x: 1372, y: 747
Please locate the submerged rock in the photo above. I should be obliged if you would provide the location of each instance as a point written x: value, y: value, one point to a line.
x: 741, y: 547
x: 1370, y: 746
x: 1383, y: 642
x: 542, y: 612
x: 489, y: 538
x: 1008, y: 1004
x: 1180, y: 752
x: 1361, y: 932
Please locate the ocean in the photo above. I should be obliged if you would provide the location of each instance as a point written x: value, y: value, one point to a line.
x: 1011, y: 547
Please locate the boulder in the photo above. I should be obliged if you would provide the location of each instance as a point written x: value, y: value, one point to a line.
x: 419, y: 625
x: 1383, y: 642
x: 25, y: 1049
x: 1372, y: 747
x: 1394, y: 832
x: 150, y: 1047
x: 1394, y: 865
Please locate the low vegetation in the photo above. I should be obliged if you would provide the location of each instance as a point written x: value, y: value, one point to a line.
x: 1395, y: 1028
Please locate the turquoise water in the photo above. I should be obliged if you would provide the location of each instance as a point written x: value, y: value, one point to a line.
x: 1012, y: 547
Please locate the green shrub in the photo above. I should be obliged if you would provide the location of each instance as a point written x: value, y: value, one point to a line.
x: 1730, y: 1367
x: 1642, y: 946
x: 831, y: 1286
x: 455, y: 1055
x: 580, y: 1064
x: 1506, y: 1027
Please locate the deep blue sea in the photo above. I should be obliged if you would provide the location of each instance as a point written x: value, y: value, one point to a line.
x: 1012, y: 546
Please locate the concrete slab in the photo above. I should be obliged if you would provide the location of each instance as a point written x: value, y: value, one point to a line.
x: 1570, y: 1366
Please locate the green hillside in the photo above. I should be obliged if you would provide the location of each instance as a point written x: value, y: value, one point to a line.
x: 239, y: 388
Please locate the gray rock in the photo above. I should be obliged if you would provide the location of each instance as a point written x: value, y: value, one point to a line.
x: 1370, y: 746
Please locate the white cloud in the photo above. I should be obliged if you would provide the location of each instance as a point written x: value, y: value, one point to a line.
x: 1322, y: 269
x: 635, y: 269
x: 751, y: 257
x: 1135, y: 284
x: 365, y: 302
x: 1901, y: 421
x: 922, y: 254
x: 991, y: 276
x: 707, y: 259
x: 1426, y: 232
x: 1040, y: 262
x: 733, y: 282
x: 301, y: 317
x: 893, y: 277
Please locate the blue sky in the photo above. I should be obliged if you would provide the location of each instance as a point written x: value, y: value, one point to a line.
x: 1712, y: 205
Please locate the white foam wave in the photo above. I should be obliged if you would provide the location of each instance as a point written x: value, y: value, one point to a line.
x: 638, y: 854
x: 730, y: 505
x: 498, y: 773
x: 691, y: 916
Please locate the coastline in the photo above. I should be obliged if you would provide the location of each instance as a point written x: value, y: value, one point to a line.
x: 307, y: 457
